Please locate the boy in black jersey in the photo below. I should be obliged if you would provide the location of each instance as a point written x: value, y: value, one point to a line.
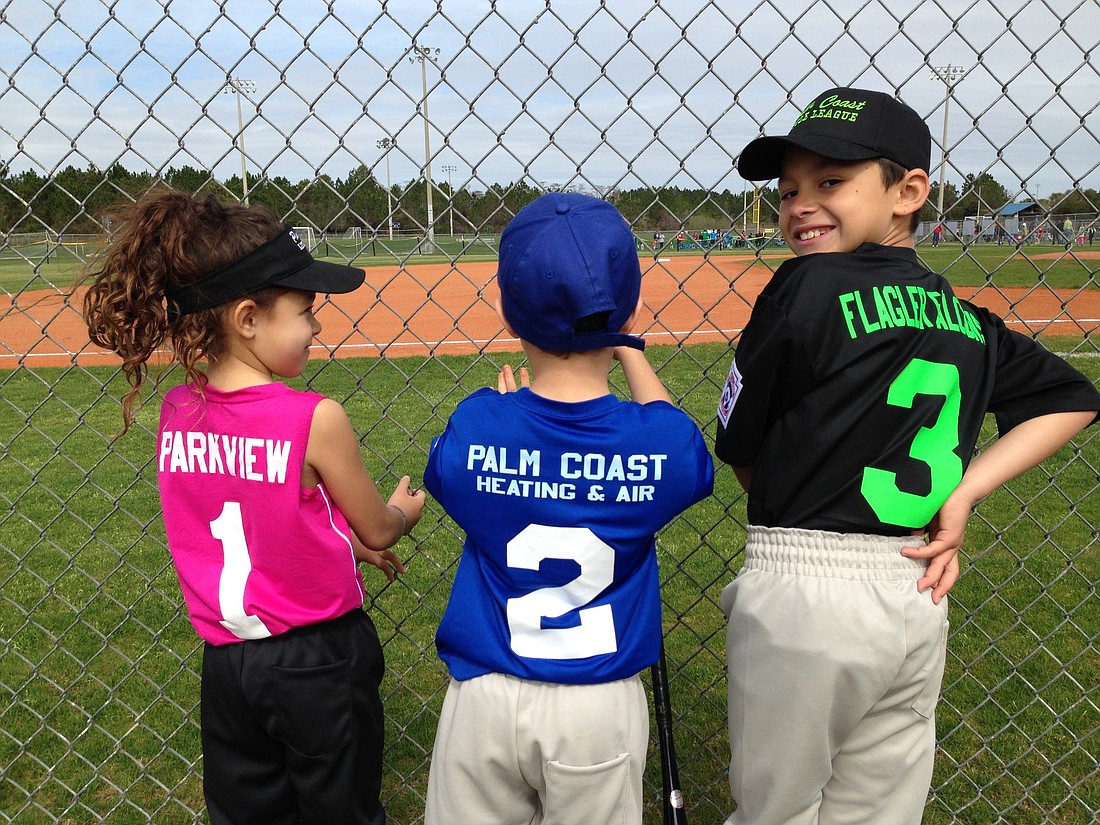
x: 850, y: 416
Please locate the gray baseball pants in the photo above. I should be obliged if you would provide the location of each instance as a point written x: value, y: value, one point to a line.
x: 835, y: 664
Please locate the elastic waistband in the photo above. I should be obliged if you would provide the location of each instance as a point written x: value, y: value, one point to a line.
x: 832, y: 555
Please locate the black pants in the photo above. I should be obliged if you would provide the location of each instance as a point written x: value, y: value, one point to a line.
x: 292, y: 726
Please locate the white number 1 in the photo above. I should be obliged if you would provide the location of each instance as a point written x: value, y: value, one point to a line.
x: 228, y: 528
x: 595, y: 634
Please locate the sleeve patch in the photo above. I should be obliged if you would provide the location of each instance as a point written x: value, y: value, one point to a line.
x: 729, y: 394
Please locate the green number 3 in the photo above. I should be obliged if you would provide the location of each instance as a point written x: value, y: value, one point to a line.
x: 933, y: 446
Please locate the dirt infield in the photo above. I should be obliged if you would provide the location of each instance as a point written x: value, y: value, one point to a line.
x: 447, y: 309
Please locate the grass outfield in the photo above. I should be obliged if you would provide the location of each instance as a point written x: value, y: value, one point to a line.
x: 61, y: 269
x: 99, y: 672
x: 972, y: 266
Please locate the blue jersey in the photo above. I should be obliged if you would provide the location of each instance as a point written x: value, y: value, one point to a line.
x: 560, y: 503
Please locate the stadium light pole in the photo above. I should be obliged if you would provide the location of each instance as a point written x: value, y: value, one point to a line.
x: 449, y: 168
x: 949, y: 75
x: 422, y: 55
x: 386, y: 144
x: 238, y: 86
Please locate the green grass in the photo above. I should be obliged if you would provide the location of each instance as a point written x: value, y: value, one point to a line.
x: 970, y: 266
x: 1005, y: 266
x: 32, y: 268
x: 98, y: 720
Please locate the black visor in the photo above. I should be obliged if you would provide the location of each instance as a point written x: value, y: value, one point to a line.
x: 283, y: 262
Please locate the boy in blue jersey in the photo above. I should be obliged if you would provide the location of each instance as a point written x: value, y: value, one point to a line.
x: 850, y: 415
x: 560, y: 487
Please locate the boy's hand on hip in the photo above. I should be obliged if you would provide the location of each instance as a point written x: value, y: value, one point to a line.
x: 945, y: 538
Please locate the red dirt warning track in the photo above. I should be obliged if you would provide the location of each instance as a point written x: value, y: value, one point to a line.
x: 447, y: 309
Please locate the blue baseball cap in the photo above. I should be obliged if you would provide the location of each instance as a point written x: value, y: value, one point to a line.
x: 569, y: 274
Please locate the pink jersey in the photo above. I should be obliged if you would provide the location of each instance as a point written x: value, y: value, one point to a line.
x: 255, y: 553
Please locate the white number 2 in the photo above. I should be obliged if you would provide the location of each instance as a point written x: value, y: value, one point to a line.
x: 228, y: 528
x: 595, y: 634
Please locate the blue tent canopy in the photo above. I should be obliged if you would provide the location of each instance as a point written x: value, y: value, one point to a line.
x: 1010, y: 209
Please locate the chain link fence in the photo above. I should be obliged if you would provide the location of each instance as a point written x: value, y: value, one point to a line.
x: 402, y: 137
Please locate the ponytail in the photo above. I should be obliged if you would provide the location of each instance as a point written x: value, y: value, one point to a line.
x: 165, y: 240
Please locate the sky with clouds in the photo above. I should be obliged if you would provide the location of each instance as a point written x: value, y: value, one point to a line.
x: 618, y: 93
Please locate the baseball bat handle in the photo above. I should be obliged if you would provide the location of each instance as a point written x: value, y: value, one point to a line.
x: 674, y: 812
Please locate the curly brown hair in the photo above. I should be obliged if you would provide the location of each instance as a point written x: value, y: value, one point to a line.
x: 164, y: 240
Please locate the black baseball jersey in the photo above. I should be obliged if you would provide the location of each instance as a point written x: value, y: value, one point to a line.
x: 859, y: 387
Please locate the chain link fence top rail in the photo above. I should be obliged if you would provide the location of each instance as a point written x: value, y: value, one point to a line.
x: 402, y: 137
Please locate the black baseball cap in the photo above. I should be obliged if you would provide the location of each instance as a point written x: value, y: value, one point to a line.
x: 282, y: 261
x: 845, y: 124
